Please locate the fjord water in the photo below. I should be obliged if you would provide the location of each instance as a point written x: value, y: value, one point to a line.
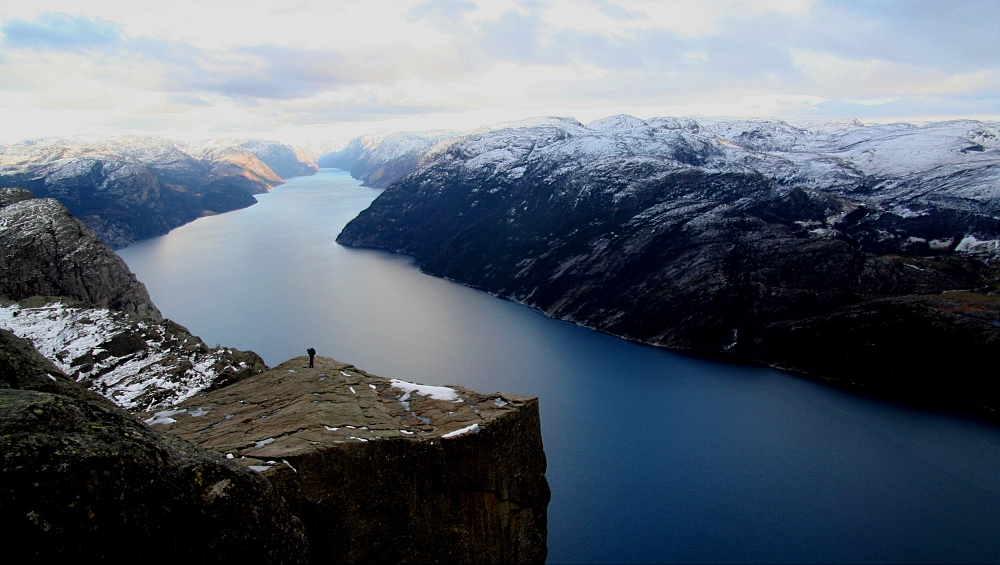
x: 653, y: 456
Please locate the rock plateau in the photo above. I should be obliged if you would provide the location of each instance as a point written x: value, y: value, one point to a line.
x: 383, y: 470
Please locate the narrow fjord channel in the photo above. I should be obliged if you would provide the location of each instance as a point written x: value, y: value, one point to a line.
x: 653, y: 456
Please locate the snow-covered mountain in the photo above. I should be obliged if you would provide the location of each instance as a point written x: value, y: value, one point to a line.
x: 897, y: 172
x: 380, y: 160
x: 130, y: 188
x: 743, y: 236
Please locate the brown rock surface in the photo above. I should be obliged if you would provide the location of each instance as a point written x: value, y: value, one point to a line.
x: 383, y: 470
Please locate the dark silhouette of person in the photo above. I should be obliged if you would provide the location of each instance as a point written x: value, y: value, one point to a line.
x: 312, y: 353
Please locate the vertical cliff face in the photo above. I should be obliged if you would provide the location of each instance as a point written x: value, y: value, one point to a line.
x: 46, y: 251
x: 383, y: 470
x: 81, y: 480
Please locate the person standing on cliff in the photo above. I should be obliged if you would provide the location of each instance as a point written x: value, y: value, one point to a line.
x: 312, y: 354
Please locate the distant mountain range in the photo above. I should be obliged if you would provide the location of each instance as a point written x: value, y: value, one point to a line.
x: 867, y: 254
x: 132, y: 188
x: 380, y: 160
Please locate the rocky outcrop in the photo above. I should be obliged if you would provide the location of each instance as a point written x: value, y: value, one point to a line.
x: 383, y: 470
x: 44, y: 250
x: 81, y: 480
x: 730, y: 237
x: 137, y: 363
x: 132, y: 188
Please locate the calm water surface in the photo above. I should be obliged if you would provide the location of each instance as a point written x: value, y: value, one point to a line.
x: 653, y: 456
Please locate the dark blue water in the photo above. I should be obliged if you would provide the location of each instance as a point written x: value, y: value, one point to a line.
x: 653, y: 456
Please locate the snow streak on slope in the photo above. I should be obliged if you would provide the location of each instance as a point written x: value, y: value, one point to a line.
x: 137, y: 364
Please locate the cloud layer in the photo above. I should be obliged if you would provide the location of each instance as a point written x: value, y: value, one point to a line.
x: 101, y: 67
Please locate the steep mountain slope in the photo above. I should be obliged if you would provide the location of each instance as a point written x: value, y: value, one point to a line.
x: 132, y: 188
x: 727, y: 236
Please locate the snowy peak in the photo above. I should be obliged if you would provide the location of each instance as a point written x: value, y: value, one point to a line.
x: 619, y: 123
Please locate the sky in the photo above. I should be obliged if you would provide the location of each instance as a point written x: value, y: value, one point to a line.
x: 305, y: 71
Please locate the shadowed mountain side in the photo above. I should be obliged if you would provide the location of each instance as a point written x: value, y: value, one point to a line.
x: 659, y: 233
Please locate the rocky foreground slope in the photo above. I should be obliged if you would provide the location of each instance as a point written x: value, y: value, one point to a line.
x: 82, y: 480
x: 137, y: 363
x: 864, y: 254
x: 82, y: 307
x: 132, y: 188
x: 383, y: 470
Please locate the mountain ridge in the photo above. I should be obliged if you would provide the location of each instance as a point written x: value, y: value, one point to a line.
x: 714, y: 237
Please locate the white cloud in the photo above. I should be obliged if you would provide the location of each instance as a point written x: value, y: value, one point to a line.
x: 844, y: 78
x: 314, y: 66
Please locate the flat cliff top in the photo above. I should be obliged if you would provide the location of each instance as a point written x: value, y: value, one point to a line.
x: 294, y: 410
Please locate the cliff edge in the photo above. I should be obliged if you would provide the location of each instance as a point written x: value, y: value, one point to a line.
x: 381, y: 469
